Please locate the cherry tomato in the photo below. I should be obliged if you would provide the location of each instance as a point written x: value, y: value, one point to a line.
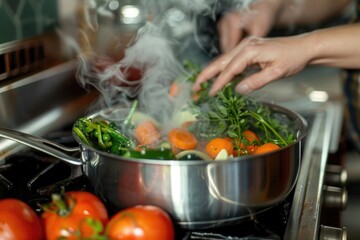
x: 245, y: 150
x: 74, y: 215
x: 140, y: 222
x: 19, y: 221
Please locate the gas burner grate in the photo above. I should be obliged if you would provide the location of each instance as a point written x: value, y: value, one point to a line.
x: 267, y: 225
x: 254, y: 231
x: 33, y: 178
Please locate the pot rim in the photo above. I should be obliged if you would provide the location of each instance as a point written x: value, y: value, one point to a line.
x: 301, y: 134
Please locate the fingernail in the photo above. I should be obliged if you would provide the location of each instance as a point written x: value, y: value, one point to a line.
x: 212, y: 92
x: 243, y: 88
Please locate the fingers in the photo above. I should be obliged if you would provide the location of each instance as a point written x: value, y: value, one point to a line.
x: 213, y: 69
x: 227, y: 66
x: 230, y: 31
x: 225, y: 34
x: 258, y: 80
x: 230, y: 38
x: 233, y: 68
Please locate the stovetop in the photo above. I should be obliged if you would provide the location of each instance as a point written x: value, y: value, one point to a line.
x: 33, y: 176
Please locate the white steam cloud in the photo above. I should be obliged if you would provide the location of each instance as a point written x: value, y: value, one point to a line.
x: 145, y: 66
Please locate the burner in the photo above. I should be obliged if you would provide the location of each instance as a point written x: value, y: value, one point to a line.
x: 267, y: 225
x: 32, y: 176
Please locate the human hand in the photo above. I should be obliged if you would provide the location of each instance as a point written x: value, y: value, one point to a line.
x: 257, y: 20
x: 277, y: 58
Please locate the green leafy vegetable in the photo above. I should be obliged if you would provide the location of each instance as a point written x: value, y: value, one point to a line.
x: 102, y: 135
x: 230, y: 113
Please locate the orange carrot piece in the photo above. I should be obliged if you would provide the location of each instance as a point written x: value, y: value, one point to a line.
x: 182, y: 139
x: 215, y: 145
x: 146, y: 133
x: 267, y: 147
x: 174, y: 89
x: 250, y: 136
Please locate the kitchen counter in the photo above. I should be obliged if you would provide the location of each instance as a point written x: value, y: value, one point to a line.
x: 309, y: 86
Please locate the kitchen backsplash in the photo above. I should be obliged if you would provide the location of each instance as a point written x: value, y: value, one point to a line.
x: 21, y: 19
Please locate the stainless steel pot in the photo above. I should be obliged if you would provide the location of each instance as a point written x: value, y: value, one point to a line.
x: 197, y: 194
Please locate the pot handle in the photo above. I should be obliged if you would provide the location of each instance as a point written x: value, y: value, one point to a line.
x: 41, y: 144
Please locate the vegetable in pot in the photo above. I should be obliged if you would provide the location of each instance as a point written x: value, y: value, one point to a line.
x: 224, y: 126
x: 102, y: 135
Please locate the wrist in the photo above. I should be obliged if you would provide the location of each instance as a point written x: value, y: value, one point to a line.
x: 313, y: 47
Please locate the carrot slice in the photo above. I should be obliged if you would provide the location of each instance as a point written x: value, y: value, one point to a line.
x: 174, y: 89
x: 215, y: 145
x: 146, y: 133
x: 182, y: 139
x: 250, y: 136
x: 267, y: 147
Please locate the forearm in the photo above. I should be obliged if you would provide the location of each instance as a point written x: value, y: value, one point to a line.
x: 308, y: 12
x: 336, y: 47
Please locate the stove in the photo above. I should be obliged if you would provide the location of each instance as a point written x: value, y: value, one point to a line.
x: 42, y: 175
x: 33, y: 176
x: 319, y: 189
x: 307, y: 212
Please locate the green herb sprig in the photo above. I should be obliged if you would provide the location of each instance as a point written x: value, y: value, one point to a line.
x: 229, y: 114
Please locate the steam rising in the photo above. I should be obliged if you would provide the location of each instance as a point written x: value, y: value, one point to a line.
x: 168, y: 35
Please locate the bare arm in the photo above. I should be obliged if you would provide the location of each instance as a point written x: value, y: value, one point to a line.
x: 264, y: 15
x: 336, y: 47
x: 256, y: 20
x: 283, y: 57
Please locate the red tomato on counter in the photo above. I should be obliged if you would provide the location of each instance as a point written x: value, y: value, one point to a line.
x: 18, y: 221
x: 140, y: 222
x: 75, y: 215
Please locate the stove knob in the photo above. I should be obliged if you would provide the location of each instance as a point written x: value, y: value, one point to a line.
x: 335, y: 197
x: 335, y: 175
x: 332, y: 233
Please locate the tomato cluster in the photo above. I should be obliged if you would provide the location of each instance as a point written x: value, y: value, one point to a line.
x: 82, y: 215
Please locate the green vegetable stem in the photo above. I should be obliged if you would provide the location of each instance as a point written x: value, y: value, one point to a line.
x: 229, y: 113
x: 101, y: 135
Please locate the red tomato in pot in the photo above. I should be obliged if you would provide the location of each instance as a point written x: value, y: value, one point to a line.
x: 141, y: 222
x: 74, y: 215
x: 19, y: 221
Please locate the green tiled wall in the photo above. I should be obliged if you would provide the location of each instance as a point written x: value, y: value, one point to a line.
x: 21, y: 19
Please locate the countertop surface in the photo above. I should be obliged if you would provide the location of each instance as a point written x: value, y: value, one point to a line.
x: 306, y: 89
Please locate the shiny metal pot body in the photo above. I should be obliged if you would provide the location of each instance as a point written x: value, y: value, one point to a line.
x: 197, y: 194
